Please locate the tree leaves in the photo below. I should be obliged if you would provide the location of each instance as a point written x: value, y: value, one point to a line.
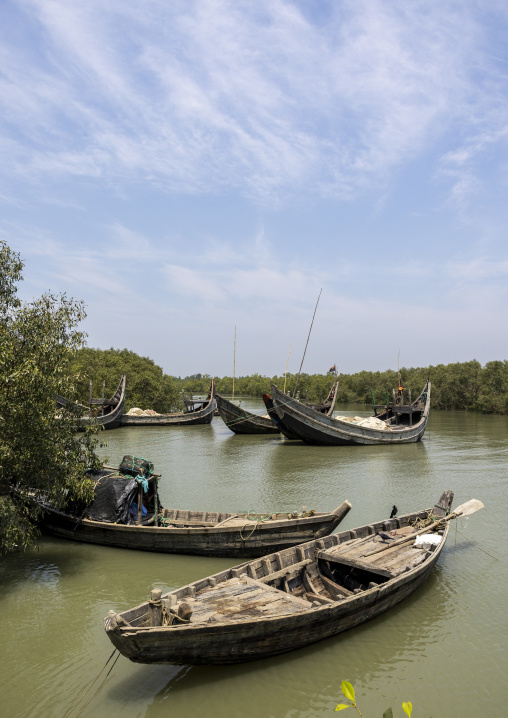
x: 147, y: 386
x: 39, y: 455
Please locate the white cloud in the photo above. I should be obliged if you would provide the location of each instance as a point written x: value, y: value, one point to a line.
x: 196, y: 96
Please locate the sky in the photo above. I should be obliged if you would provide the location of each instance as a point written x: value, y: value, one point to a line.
x: 186, y: 167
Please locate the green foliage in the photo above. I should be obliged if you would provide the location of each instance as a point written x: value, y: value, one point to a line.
x: 349, y: 693
x: 465, y: 386
x: 147, y: 386
x: 39, y: 455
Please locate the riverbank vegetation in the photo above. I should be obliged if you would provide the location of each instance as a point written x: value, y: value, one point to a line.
x: 39, y: 454
x: 465, y: 386
x: 147, y: 385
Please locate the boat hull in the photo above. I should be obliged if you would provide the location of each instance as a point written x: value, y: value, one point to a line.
x: 314, y: 428
x: 111, y: 420
x: 194, y: 418
x: 243, y: 641
x: 240, y: 421
x: 284, y: 430
x: 180, y: 418
x: 246, y: 541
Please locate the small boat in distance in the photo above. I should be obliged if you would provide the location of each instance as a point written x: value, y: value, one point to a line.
x: 326, y: 408
x: 197, y: 412
x: 124, y: 516
x: 241, y: 421
x: 288, y: 599
x: 104, y: 412
x: 397, y: 422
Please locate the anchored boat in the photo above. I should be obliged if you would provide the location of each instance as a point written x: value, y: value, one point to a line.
x: 241, y: 421
x: 126, y: 515
x: 104, y: 412
x: 197, y: 412
x: 396, y: 423
x: 289, y: 599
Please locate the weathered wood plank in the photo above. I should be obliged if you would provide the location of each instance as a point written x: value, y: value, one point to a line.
x: 354, y: 563
x: 292, y: 568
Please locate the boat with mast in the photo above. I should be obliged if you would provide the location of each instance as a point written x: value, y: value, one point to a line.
x: 398, y: 421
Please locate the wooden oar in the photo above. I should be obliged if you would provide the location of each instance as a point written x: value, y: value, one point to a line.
x: 463, y: 510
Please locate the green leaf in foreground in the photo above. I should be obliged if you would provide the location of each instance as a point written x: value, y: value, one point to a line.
x: 348, y: 690
x: 342, y: 706
x: 407, y: 708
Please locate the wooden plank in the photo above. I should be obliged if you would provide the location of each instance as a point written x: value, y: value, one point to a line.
x: 352, y: 547
x: 294, y: 599
x: 354, y: 563
x: 320, y: 599
x: 285, y: 571
x: 334, y: 589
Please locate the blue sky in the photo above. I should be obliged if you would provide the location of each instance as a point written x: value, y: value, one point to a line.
x: 188, y: 166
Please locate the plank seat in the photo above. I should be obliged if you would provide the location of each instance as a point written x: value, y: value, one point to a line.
x: 243, y: 598
x: 355, y: 563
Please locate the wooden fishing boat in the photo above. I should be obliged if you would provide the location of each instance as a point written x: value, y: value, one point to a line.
x: 288, y: 599
x: 108, y: 522
x: 396, y: 423
x: 241, y: 421
x: 104, y: 412
x: 326, y: 408
x: 196, y: 412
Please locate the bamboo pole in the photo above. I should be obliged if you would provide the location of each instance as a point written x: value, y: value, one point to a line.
x: 304, y: 353
x: 234, y: 368
x: 140, y: 498
x: 286, y: 372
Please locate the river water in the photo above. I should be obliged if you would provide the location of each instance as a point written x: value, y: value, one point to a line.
x: 444, y: 649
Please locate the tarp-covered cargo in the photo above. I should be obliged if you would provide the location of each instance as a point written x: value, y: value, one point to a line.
x: 114, y: 494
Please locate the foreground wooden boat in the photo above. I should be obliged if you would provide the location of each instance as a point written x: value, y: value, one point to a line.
x: 104, y: 412
x: 397, y: 423
x: 326, y: 408
x: 204, y: 533
x: 195, y: 413
x: 241, y: 421
x: 289, y: 599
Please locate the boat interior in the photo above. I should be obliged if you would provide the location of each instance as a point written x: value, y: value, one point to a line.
x: 398, y: 412
x: 312, y: 575
x: 213, y: 519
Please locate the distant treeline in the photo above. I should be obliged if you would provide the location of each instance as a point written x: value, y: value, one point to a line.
x: 465, y: 386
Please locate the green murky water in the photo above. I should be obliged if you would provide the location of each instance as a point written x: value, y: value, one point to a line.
x: 445, y: 648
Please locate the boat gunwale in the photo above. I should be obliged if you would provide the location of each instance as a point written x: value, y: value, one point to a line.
x: 318, y: 517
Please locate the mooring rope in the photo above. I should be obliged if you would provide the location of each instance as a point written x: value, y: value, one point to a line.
x: 74, y: 707
x: 496, y: 558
